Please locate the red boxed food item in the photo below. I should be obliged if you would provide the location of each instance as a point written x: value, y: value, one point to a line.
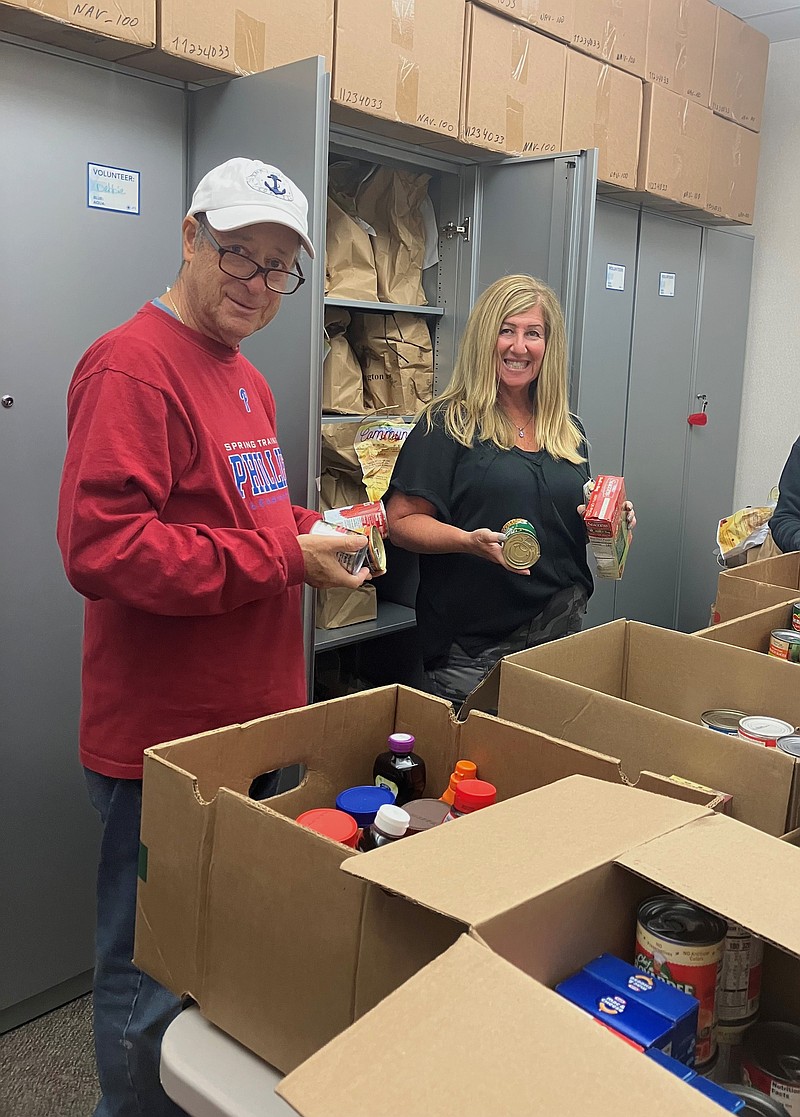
x: 607, y: 526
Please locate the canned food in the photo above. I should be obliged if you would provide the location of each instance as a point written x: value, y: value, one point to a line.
x: 352, y: 561
x: 796, y: 616
x: 757, y: 1104
x: 376, y: 551
x: 723, y: 721
x: 684, y: 945
x: 784, y: 643
x: 771, y: 1063
x: 740, y: 985
x: 764, y: 730
x: 360, y: 516
x: 730, y: 1038
x: 521, y: 547
x: 790, y: 744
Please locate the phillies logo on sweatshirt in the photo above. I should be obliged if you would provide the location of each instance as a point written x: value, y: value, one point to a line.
x: 258, y: 469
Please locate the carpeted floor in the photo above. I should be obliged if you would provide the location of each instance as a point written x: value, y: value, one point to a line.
x: 47, y: 1066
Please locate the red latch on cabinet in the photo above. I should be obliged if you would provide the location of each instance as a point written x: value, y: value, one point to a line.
x: 699, y: 418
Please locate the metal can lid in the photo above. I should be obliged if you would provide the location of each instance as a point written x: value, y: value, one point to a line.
x: 790, y: 744
x: 758, y: 1104
x: 724, y: 721
x: 758, y: 725
x: 678, y: 921
x: 775, y: 1048
x: 788, y: 635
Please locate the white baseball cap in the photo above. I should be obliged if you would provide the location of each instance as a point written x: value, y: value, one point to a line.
x: 243, y: 192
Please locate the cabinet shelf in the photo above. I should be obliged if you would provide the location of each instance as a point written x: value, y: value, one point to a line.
x: 385, y: 308
x: 391, y: 618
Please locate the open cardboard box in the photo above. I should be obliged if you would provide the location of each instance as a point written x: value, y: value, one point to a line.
x: 751, y: 631
x: 544, y: 882
x: 636, y: 692
x: 757, y: 585
x: 246, y: 911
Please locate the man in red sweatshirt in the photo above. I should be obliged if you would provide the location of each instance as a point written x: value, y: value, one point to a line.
x: 175, y: 524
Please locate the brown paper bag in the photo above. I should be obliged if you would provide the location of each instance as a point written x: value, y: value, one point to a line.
x: 342, y: 381
x: 396, y: 358
x: 340, y: 490
x: 339, y: 607
x: 349, y: 259
x: 390, y: 201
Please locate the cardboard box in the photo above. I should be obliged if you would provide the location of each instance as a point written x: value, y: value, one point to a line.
x: 752, y: 631
x: 551, y: 17
x: 542, y: 907
x: 637, y: 692
x: 513, y: 88
x: 613, y: 32
x: 202, y: 39
x: 680, y: 47
x: 603, y: 109
x: 733, y: 171
x: 401, y: 62
x: 111, y: 31
x: 757, y: 585
x: 674, y: 153
x: 246, y: 911
x: 741, y: 55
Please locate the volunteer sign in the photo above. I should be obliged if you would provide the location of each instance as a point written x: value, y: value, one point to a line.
x: 114, y: 188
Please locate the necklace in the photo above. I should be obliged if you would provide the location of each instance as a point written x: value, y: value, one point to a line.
x: 171, y: 301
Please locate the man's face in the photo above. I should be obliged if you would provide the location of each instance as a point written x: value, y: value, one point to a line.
x: 225, y: 308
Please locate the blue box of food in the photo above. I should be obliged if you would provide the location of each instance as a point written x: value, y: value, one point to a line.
x: 676, y: 1006
x: 680, y: 1070
x: 624, y: 1014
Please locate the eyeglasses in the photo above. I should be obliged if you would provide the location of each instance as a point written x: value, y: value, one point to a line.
x: 239, y: 266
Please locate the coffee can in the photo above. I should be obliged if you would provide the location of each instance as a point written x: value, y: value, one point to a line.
x: 521, y: 548
x: 771, y: 1063
x: 722, y: 721
x: 784, y: 643
x: 683, y: 945
x: 762, y: 730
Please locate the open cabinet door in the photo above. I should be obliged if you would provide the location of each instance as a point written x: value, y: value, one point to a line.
x: 536, y: 217
x: 281, y: 116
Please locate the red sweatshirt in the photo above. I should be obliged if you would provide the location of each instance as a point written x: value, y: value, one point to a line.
x: 175, y: 523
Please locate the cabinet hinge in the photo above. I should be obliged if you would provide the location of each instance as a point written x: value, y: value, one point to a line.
x: 451, y: 230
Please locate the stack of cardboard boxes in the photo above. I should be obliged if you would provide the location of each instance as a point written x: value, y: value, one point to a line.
x: 670, y: 91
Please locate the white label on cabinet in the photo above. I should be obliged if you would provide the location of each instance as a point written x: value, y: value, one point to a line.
x: 615, y: 277
x: 666, y: 284
x: 114, y: 188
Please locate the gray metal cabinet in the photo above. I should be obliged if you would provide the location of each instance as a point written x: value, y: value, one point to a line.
x: 674, y: 332
x: 71, y: 273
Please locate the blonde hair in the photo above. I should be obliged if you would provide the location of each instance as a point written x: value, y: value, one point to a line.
x: 469, y: 403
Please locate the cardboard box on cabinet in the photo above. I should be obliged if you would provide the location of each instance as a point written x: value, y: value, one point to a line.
x: 675, y: 147
x: 247, y: 911
x: 733, y: 171
x: 680, y: 47
x: 513, y: 88
x: 103, y: 31
x: 741, y: 55
x: 603, y: 109
x: 614, y: 32
x: 202, y: 39
x: 539, y: 885
x: 551, y: 17
x: 401, y: 62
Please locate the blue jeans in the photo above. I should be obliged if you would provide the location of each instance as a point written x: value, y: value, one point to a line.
x: 131, y: 1011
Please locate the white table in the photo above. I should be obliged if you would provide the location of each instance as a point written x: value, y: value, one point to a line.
x: 209, y: 1074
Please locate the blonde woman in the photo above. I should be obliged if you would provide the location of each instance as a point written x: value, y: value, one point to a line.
x: 499, y: 443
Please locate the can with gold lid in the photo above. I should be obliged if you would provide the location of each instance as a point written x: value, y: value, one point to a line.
x: 521, y: 548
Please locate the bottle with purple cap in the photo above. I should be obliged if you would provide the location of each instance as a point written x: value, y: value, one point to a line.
x: 400, y: 769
